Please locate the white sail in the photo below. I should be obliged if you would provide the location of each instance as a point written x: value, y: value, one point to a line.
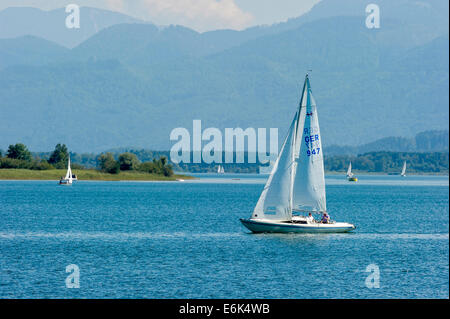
x: 265, y: 170
x: 276, y: 198
x: 349, y: 171
x: 309, y: 181
x: 69, y: 172
x: 222, y: 170
x: 404, y: 169
x: 218, y: 170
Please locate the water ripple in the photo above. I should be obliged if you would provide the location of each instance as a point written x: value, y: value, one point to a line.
x: 112, y: 235
x: 178, y: 235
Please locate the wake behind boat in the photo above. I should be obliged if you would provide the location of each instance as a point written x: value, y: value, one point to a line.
x: 297, y: 181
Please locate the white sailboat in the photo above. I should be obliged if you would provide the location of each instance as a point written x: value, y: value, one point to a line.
x: 403, y: 174
x: 351, y: 177
x: 220, y: 170
x: 265, y: 170
x: 297, y: 180
x: 67, y: 180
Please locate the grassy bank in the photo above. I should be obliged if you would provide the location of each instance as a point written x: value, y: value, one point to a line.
x: 356, y: 173
x: 94, y: 175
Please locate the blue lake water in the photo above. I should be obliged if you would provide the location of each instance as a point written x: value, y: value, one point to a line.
x: 184, y: 240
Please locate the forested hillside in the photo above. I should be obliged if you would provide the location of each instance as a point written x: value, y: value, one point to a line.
x: 132, y: 84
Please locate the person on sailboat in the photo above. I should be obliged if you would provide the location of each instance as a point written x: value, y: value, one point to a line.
x: 310, y: 219
x: 325, y: 218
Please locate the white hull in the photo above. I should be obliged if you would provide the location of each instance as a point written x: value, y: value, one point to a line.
x: 268, y: 226
x: 65, y: 182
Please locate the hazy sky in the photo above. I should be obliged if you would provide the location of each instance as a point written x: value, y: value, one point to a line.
x: 201, y: 15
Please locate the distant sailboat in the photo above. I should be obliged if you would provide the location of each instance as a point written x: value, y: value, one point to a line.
x: 265, y: 170
x: 67, y: 180
x: 403, y: 174
x: 297, y: 180
x: 351, y: 177
x: 220, y: 170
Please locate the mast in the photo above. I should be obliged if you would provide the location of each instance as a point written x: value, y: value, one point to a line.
x: 69, y: 171
x: 309, y: 178
x: 349, y: 171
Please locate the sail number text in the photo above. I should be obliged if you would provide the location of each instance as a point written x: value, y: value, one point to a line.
x: 314, y: 151
x: 312, y: 143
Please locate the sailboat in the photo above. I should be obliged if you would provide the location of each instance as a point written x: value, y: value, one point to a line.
x: 350, y: 176
x: 67, y: 180
x: 403, y: 174
x: 297, y: 181
x: 265, y: 170
x: 220, y: 170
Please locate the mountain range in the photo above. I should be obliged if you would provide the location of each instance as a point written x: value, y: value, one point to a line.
x: 119, y: 81
x: 423, y: 142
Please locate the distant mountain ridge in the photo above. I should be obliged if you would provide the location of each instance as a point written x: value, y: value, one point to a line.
x: 50, y: 25
x: 428, y: 141
x: 21, y: 21
x: 131, y: 84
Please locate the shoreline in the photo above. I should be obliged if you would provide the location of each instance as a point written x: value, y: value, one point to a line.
x: 11, y: 174
x: 387, y: 174
x: 331, y: 173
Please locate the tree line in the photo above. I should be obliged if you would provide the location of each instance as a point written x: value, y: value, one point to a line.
x: 18, y: 156
x: 129, y: 162
x: 157, y: 162
x: 391, y: 162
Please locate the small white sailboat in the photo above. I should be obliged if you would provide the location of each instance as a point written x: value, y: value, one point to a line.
x: 350, y: 176
x: 220, y: 170
x: 67, y: 180
x: 403, y: 173
x: 297, y: 181
x: 265, y: 170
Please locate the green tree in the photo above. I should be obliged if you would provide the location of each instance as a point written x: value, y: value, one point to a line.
x: 165, y: 167
x: 59, y: 156
x: 128, y: 161
x: 19, y: 151
x: 42, y: 165
x: 107, y: 163
x: 147, y: 167
x: 157, y: 166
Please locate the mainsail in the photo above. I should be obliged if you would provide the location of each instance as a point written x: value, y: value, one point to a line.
x: 275, y: 202
x: 349, y: 171
x: 309, y: 181
x: 404, y: 169
x: 69, y: 172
